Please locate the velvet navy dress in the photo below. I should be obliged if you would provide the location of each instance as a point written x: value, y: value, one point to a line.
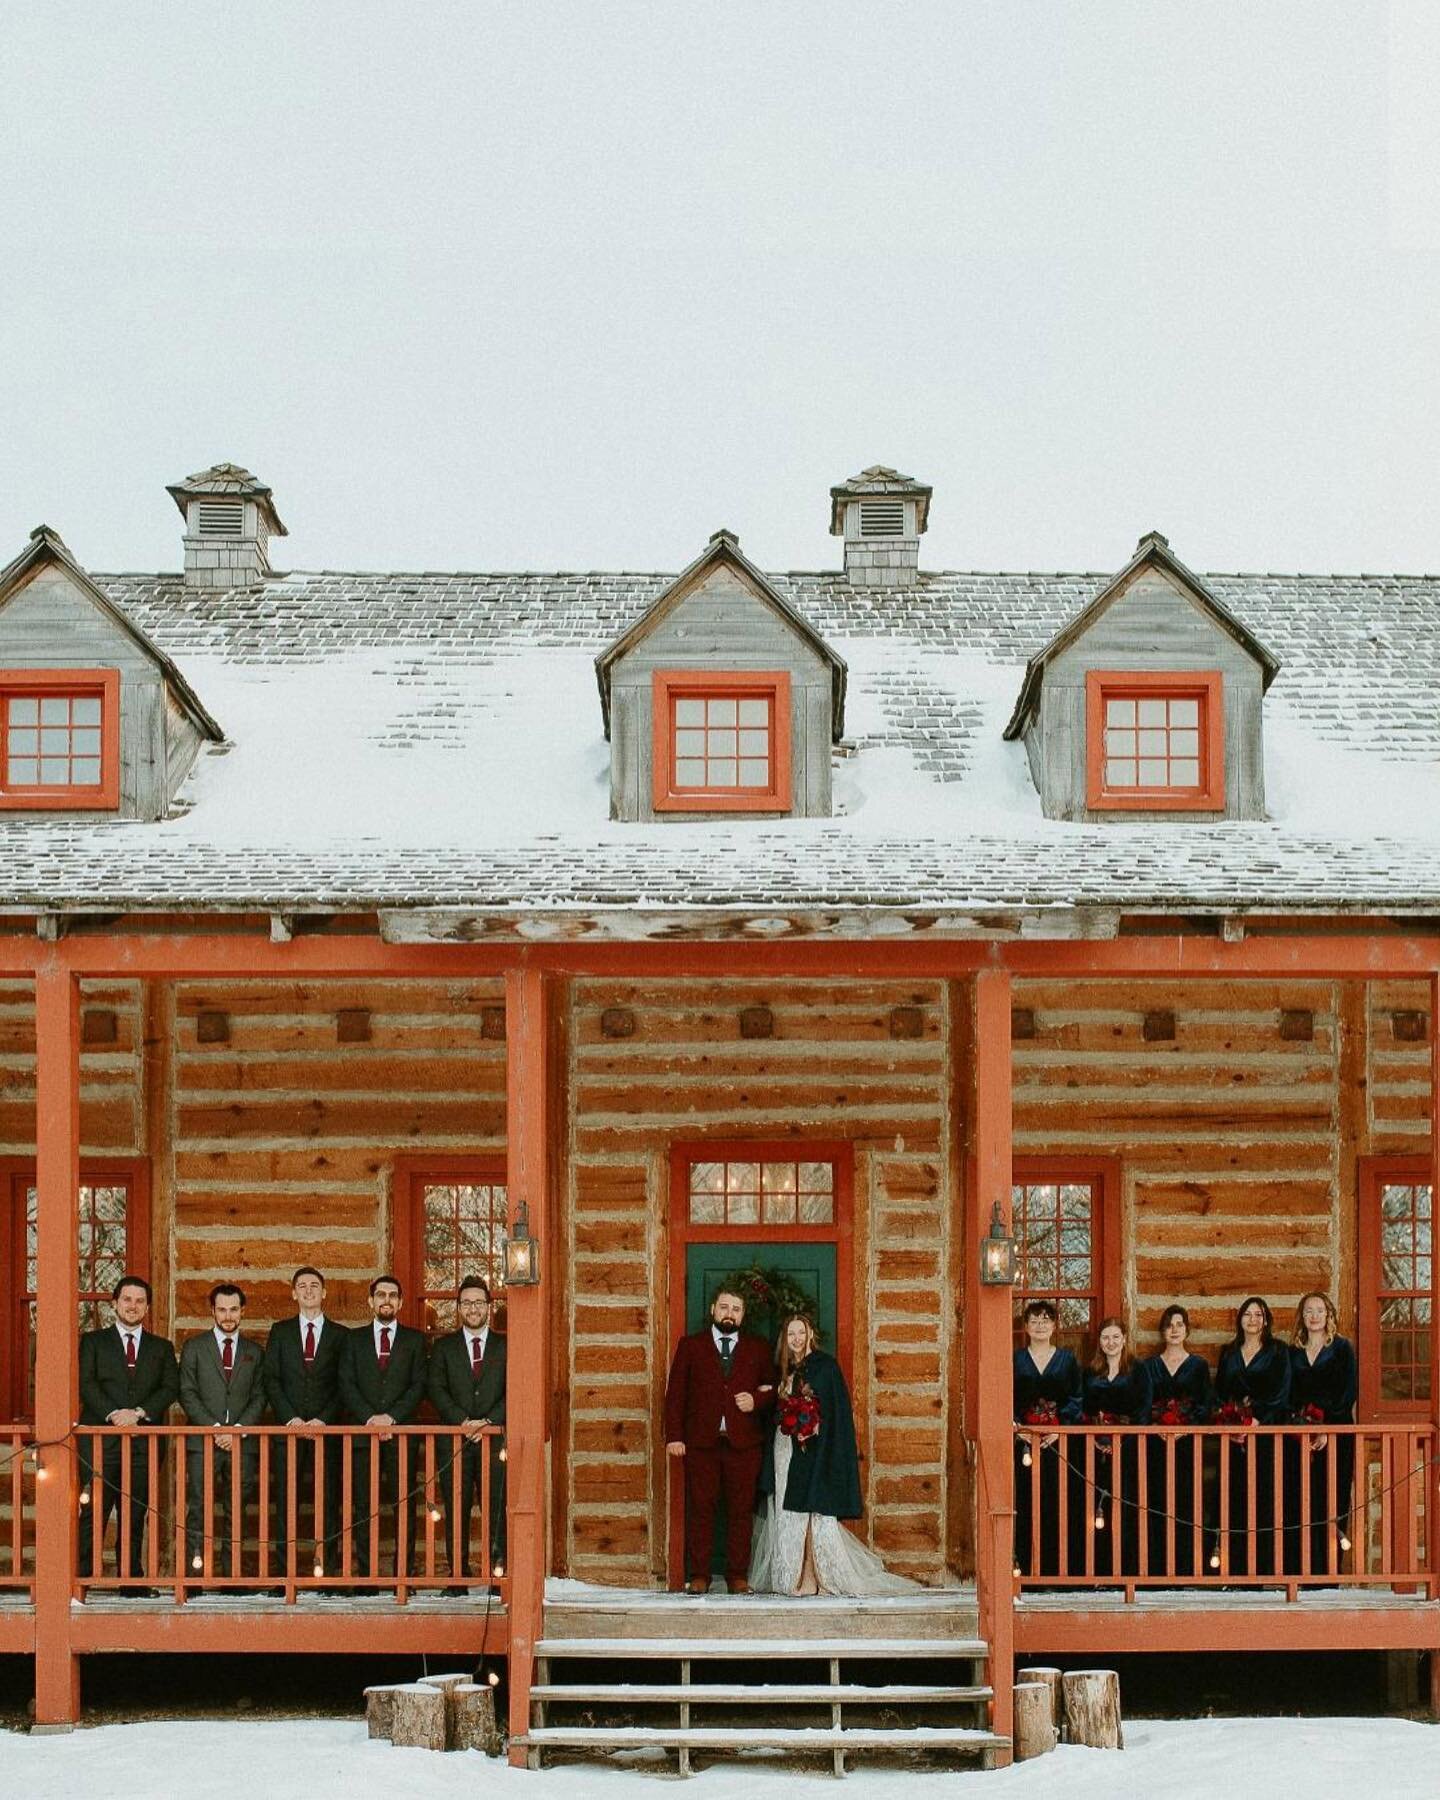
x: 1257, y: 1393
x: 1045, y: 1399
x: 1179, y: 1399
x: 1114, y: 1490
x: 1321, y: 1393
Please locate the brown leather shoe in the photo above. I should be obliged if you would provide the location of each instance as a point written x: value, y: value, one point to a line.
x: 738, y: 1586
x: 698, y: 1586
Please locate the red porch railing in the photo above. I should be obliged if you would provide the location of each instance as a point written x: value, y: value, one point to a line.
x: 17, y: 1493
x: 185, y: 1508
x: 1231, y: 1506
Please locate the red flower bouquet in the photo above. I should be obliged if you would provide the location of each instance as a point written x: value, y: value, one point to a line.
x: 1043, y: 1412
x: 1236, y: 1412
x: 1103, y: 1446
x: 1175, y: 1412
x: 800, y: 1415
x: 1310, y: 1415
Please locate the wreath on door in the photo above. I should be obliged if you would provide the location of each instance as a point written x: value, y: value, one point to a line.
x: 772, y: 1291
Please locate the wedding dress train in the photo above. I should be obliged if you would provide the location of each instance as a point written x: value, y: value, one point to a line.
x: 842, y: 1562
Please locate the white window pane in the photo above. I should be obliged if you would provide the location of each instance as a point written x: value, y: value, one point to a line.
x: 55, y: 712
x: 722, y: 712
x: 689, y: 743
x: 707, y: 1209
x: 85, y: 712
x: 780, y: 1209
x: 816, y: 1209
x: 55, y: 741
x: 24, y: 743
x: 723, y: 773
x: 816, y: 1178
x: 1185, y: 772
x: 1184, y: 712
x: 1120, y: 743
x: 1120, y: 774
x: 1153, y: 743
x: 1184, y: 743
x: 754, y: 772
x: 1153, y: 773
x: 754, y: 712
x: 690, y: 773
x: 1119, y: 712
x: 754, y: 743
x: 689, y: 712
x: 86, y: 771
x: 24, y: 712
x: 24, y: 771
x: 743, y: 1209
x: 722, y: 743
x: 1151, y: 712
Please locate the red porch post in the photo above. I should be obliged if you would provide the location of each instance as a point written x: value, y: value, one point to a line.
x: 531, y: 1077
x: 990, y: 1329
x: 1432, y: 1487
x: 57, y: 1364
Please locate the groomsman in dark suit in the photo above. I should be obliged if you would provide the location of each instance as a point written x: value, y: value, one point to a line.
x: 467, y: 1390
x: 128, y: 1376
x: 382, y: 1382
x: 222, y: 1384
x: 302, y: 1382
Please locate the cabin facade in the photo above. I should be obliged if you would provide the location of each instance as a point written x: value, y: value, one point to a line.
x: 411, y: 943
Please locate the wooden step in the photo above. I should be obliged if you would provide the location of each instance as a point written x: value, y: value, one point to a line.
x: 782, y: 1737
x: 933, y: 1613
x: 724, y: 1693
x: 744, y: 1649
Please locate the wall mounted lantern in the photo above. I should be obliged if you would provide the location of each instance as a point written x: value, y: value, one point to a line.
x: 997, y: 1253
x: 522, y: 1252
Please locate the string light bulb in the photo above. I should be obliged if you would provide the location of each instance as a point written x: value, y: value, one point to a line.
x: 435, y: 1514
x: 1099, y: 1521
x: 319, y: 1570
x: 1214, y: 1559
x: 1344, y: 1541
x: 493, y: 1678
x: 84, y: 1496
x: 498, y: 1570
x: 503, y: 1456
x: 1026, y: 1458
x: 197, y: 1563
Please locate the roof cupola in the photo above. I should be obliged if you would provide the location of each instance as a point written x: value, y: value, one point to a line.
x: 230, y: 518
x: 880, y: 513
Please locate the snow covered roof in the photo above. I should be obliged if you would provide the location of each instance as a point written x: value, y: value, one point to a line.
x: 436, y: 740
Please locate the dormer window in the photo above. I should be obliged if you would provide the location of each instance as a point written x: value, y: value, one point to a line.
x: 1154, y: 741
x: 59, y: 739
x: 721, y: 741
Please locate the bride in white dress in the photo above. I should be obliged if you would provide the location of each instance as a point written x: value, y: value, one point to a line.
x: 811, y: 1481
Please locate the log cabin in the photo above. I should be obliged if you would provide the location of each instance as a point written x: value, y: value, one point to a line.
x: 859, y: 917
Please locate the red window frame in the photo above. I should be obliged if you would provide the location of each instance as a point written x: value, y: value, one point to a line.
x: 407, y: 1234
x: 1102, y: 1176
x: 670, y: 685
x: 17, y: 1176
x: 1376, y: 1173
x: 1204, y: 686
x: 71, y: 684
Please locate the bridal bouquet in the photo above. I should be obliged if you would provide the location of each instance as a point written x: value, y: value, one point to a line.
x: 800, y: 1415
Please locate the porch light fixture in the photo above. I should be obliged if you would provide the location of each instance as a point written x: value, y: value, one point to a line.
x: 997, y: 1253
x: 522, y: 1252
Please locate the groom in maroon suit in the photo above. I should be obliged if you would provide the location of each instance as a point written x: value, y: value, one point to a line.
x: 717, y: 1404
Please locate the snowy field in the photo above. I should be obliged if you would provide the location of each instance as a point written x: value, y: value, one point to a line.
x: 332, y: 1760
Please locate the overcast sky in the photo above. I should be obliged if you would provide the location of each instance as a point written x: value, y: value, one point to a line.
x: 561, y: 285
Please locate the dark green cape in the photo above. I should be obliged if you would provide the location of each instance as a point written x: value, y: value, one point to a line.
x: 825, y: 1476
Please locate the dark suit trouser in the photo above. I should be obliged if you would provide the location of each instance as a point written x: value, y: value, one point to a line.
x: 457, y: 1525
x: 332, y: 1465
x: 220, y: 1525
x: 708, y: 1474
x: 112, y: 1472
x: 397, y: 1489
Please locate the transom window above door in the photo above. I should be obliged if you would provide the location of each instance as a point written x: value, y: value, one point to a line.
x: 762, y: 1193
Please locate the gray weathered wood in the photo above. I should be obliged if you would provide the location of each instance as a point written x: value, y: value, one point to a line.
x: 1049, y: 1679
x: 1092, y: 1708
x: 1034, y: 1729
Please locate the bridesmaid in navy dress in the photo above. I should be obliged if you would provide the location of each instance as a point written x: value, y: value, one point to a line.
x: 1047, y: 1394
x: 1180, y: 1395
x: 1324, y: 1385
x: 1253, y: 1388
x: 1116, y: 1392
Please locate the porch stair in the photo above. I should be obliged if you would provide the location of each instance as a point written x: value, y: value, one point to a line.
x: 737, y: 1677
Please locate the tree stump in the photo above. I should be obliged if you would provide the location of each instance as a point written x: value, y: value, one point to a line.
x: 1049, y: 1678
x: 1092, y: 1708
x: 475, y: 1724
x: 418, y: 1721
x: 447, y: 1685
x: 380, y: 1710
x: 1034, y: 1727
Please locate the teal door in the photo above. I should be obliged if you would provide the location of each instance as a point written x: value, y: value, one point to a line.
x: 799, y: 1270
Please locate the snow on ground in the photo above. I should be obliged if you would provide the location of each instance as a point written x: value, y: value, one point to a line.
x: 331, y: 1759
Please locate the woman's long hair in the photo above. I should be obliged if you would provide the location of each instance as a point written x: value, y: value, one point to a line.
x: 1266, y: 1336
x: 786, y: 1361
x: 1332, y: 1318
x: 1100, y: 1363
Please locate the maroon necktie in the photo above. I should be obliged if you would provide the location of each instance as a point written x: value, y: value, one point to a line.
x: 310, y: 1342
x: 129, y: 1349
x: 384, y: 1357
x: 227, y: 1357
x: 477, y: 1357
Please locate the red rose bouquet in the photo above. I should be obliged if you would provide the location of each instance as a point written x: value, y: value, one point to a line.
x: 1175, y: 1412
x: 1042, y: 1412
x: 1236, y: 1412
x: 1103, y: 1446
x: 1310, y: 1414
x: 800, y: 1415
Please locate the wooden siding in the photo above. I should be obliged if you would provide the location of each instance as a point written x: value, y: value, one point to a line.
x: 1152, y: 624
x: 112, y: 1113
x: 831, y: 1070
x: 720, y: 624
